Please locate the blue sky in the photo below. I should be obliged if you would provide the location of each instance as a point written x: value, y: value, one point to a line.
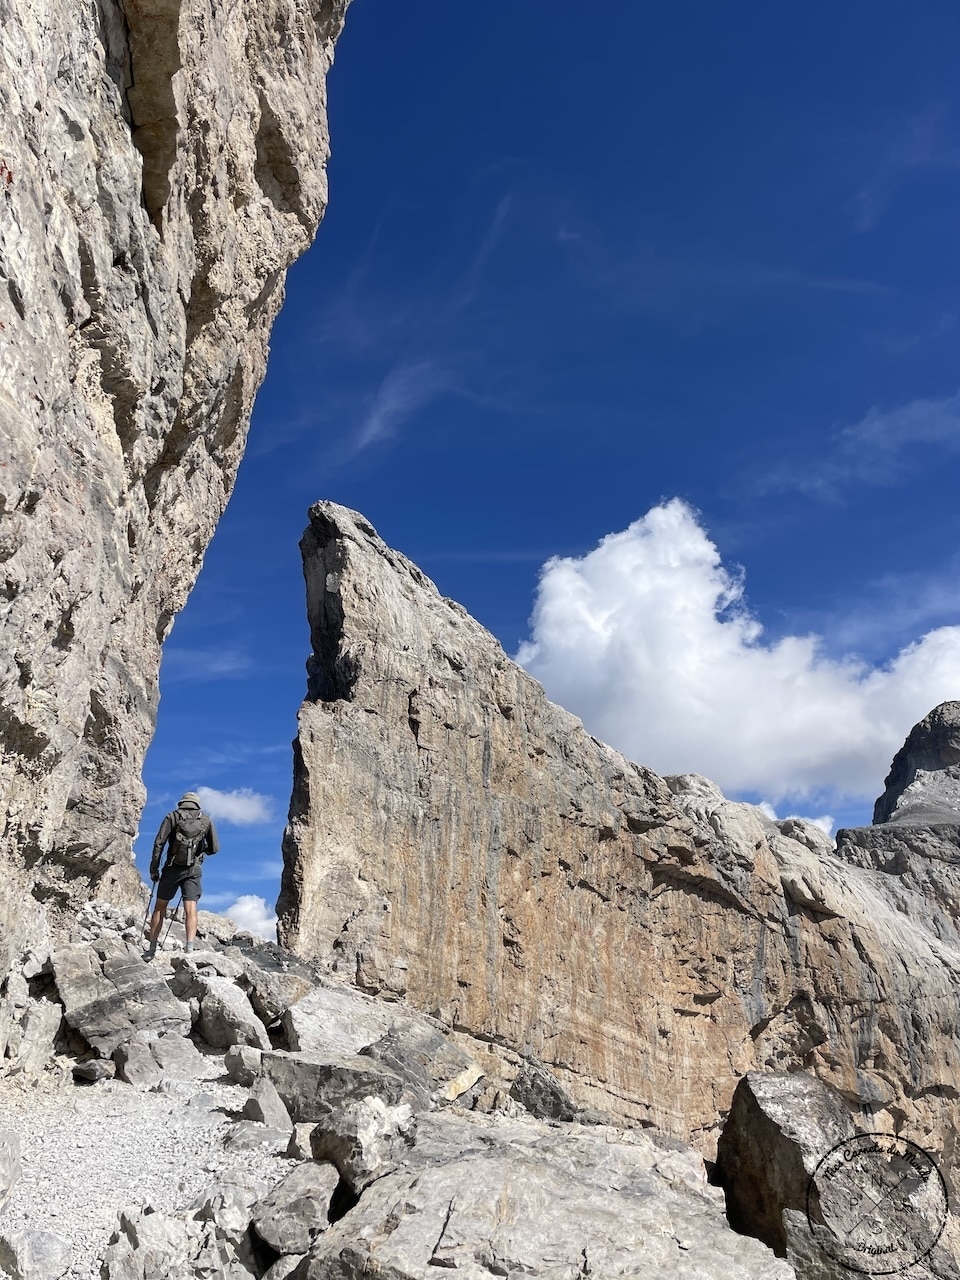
x: 682, y: 277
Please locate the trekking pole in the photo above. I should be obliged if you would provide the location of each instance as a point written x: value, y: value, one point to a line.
x: 171, y: 918
x: 146, y: 917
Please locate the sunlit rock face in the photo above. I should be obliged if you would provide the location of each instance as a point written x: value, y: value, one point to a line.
x: 458, y: 840
x: 162, y: 163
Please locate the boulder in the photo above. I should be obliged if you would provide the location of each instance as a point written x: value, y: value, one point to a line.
x: 177, y: 1057
x: 542, y: 1094
x: 294, y: 1213
x: 313, y: 1086
x: 242, y: 1063
x: 9, y: 1164
x: 94, y: 1070
x: 298, y: 1148
x: 34, y: 1255
x: 265, y: 1106
x: 431, y: 1066
x: 109, y: 994
x: 148, y: 1245
x: 778, y: 1129
x: 226, y: 1016
x: 365, y: 1139
x: 136, y: 1064
x: 334, y: 1021
x: 40, y: 1026
x: 252, y: 1135
x: 484, y: 1197
x: 272, y: 985
x: 149, y: 1060
x: 284, y: 1267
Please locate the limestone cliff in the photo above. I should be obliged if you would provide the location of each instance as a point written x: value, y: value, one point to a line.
x: 457, y: 839
x: 162, y: 163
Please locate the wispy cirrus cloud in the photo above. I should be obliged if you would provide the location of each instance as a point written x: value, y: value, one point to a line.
x: 916, y: 149
x: 401, y: 352
x: 883, y: 448
x: 184, y: 664
x: 405, y: 389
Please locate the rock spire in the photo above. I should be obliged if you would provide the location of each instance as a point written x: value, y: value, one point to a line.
x: 923, y: 785
x: 458, y: 841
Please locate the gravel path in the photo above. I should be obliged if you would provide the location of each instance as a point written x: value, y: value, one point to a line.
x: 90, y: 1151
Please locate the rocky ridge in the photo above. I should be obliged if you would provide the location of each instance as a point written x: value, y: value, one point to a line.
x: 162, y: 164
x: 457, y: 840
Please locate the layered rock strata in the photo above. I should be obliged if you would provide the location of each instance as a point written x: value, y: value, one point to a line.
x: 162, y: 164
x: 457, y: 840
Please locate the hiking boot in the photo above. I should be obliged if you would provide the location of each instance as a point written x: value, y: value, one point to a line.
x: 150, y: 952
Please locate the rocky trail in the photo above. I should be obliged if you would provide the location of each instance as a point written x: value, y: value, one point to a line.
x: 231, y: 1114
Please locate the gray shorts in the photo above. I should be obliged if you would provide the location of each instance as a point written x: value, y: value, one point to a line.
x: 173, y: 880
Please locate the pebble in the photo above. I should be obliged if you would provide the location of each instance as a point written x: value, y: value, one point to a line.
x: 89, y: 1151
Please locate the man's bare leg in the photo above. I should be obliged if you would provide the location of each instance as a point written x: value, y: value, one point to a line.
x: 190, y: 921
x: 156, y: 923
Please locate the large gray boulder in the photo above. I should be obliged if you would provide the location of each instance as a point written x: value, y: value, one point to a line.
x: 297, y: 1209
x: 34, y: 1254
x: 109, y: 994
x: 520, y: 1198
x: 433, y: 1068
x: 227, y: 1017
x: 315, y: 1086
x: 266, y: 1106
x: 831, y: 1198
x: 778, y: 1129
x: 365, y: 1139
x: 331, y: 1020
x: 923, y: 785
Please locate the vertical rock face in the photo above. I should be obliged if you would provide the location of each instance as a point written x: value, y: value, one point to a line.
x: 161, y: 165
x: 457, y: 839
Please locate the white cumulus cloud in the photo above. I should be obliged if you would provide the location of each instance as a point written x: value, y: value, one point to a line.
x: 252, y: 913
x: 647, y: 638
x: 242, y: 808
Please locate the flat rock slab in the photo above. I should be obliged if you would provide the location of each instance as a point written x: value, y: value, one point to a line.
x: 313, y: 1086
x: 338, y: 1022
x: 109, y: 994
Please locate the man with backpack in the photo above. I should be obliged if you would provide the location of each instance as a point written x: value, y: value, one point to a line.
x: 190, y: 835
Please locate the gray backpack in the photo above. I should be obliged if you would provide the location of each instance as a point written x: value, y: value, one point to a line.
x: 190, y: 827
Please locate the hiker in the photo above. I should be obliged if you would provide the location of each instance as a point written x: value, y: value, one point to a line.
x: 190, y: 835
